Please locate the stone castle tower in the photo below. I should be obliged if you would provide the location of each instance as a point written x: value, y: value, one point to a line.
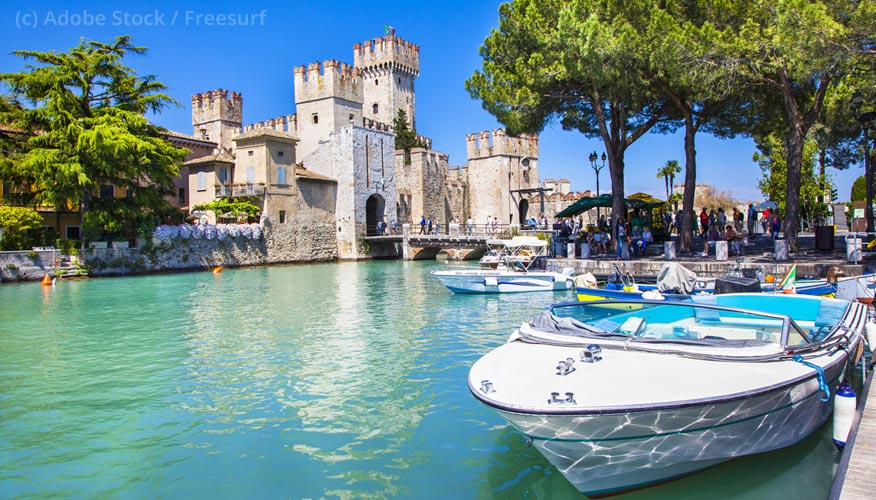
x: 216, y: 116
x: 500, y: 169
x: 389, y: 66
x: 327, y: 99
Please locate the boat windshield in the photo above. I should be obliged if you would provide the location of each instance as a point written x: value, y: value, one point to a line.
x: 685, y: 322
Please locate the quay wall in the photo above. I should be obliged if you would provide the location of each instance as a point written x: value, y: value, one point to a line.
x: 279, y: 244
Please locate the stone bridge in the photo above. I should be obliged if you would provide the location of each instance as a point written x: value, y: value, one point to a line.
x: 410, y: 246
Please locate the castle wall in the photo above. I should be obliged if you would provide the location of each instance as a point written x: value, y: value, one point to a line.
x: 422, y: 184
x: 362, y: 162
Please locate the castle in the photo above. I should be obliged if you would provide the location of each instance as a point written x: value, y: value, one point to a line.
x: 332, y: 168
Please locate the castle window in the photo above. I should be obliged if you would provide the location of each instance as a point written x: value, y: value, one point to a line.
x: 375, y: 107
x: 202, y: 181
x: 280, y: 154
x: 182, y: 196
x: 399, y: 81
x: 223, y: 175
x: 249, y: 153
x: 315, y: 118
x: 282, y: 216
x: 281, y: 175
x: 106, y: 191
x: 375, y: 81
x: 352, y: 118
x: 250, y: 174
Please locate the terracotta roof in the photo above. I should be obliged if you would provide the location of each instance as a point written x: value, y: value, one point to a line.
x: 260, y: 132
x: 303, y: 173
x: 186, y: 137
x: 214, y: 158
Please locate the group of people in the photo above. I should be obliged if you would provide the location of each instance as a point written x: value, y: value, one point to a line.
x: 384, y: 229
x: 429, y: 226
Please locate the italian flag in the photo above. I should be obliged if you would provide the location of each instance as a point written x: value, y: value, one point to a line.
x: 789, y: 282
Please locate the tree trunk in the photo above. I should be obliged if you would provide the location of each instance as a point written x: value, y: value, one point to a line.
x: 794, y: 159
x: 690, y: 181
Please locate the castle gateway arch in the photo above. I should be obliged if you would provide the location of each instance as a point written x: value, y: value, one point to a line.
x: 375, y: 207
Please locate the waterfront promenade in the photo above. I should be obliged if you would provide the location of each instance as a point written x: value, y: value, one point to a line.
x: 759, y: 253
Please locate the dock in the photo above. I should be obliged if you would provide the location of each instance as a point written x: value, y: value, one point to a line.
x: 856, y: 473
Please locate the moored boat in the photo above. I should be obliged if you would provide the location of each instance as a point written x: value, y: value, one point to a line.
x: 509, y: 277
x: 619, y: 395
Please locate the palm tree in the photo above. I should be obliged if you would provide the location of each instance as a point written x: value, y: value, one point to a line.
x: 667, y: 173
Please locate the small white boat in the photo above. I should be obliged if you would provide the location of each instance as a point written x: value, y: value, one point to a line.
x: 508, y: 277
x: 620, y: 395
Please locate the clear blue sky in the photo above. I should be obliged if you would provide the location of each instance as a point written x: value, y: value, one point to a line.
x: 190, y: 56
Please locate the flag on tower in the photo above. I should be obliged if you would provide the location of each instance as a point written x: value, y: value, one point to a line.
x: 388, y: 30
x: 789, y: 282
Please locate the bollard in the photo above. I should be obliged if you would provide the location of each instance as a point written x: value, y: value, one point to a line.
x: 854, y: 247
x: 570, y: 250
x: 721, y: 250
x: 781, y: 248
x: 669, y: 250
x: 585, y: 251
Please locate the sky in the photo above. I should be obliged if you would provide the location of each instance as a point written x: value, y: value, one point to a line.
x: 193, y: 49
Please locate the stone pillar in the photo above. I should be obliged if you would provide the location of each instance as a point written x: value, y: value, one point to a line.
x: 585, y: 251
x: 406, y: 243
x: 721, y: 252
x: 781, y: 247
x: 669, y: 250
x: 570, y: 250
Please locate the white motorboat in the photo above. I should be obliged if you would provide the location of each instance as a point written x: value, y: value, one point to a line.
x: 509, y: 277
x: 620, y: 395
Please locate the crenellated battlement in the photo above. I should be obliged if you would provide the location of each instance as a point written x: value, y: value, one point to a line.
x: 497, y: 142
x: 287, y: 124
x: 386, y: 51
x: 376, y: 125
x: 218, y: 104
x: 330, y: 79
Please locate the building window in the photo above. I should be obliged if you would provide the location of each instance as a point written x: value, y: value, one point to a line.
x: 281, y: 175
x: 72, y: 232
x: 202, y: 181
x: 223, y: 175
x: 352, y: 118
x: 315, y: 117
x: 129, y: 193
x: 374, y: 108
x: 282, y: 216
x: 249, y: 153
x: 375, y: 81
x: 250, y: 174
x: 182, y: 196
x: 106, y: 191
x: 280, y: 154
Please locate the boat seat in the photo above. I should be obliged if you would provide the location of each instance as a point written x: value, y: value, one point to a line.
x: 729, y: 333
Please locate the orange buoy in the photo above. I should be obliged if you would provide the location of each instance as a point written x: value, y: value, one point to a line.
x: 217, y: 269
x: 47, y: 281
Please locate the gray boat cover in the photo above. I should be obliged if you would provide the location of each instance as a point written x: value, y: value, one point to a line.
x: 674, y: 276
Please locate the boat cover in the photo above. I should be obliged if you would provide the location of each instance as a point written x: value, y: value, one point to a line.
x: 675, y: 277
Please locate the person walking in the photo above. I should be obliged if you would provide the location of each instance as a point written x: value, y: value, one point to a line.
x: 423, y: 225
x: 621, y: 237
x: 470, y: 223
x: 775, y: 226
x: 752, y: 219
x: 704, y: 222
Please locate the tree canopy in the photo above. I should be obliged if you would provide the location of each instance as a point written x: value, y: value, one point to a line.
x: 79, y: 122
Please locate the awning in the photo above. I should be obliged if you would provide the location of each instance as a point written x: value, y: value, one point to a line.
x: 638, y: 200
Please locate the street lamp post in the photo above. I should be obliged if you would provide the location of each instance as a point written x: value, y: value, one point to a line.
x: 866, y: 120
x: 597, y: 168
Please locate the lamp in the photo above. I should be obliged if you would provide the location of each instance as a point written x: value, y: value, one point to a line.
x: 866, y: 120
x: 596, y: 168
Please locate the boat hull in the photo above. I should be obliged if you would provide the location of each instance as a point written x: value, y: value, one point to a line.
x: 650, y: 447
x: 481, y: 281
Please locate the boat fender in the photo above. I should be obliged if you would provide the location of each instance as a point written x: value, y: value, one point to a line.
x: 870, y: 329
x: 491, y: 281
x: 653, y: 295
x: 844, y: 405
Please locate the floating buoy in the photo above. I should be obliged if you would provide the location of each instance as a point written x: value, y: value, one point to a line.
x: 844, y: 404
x: 652, y: 295
x: 217, y: 269
x: 47, y: 281
x: 870, y: 331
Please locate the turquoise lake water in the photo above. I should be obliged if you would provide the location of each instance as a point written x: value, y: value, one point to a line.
x: 316, y: 381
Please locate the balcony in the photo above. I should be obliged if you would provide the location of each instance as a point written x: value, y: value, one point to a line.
x: 244, y: 189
